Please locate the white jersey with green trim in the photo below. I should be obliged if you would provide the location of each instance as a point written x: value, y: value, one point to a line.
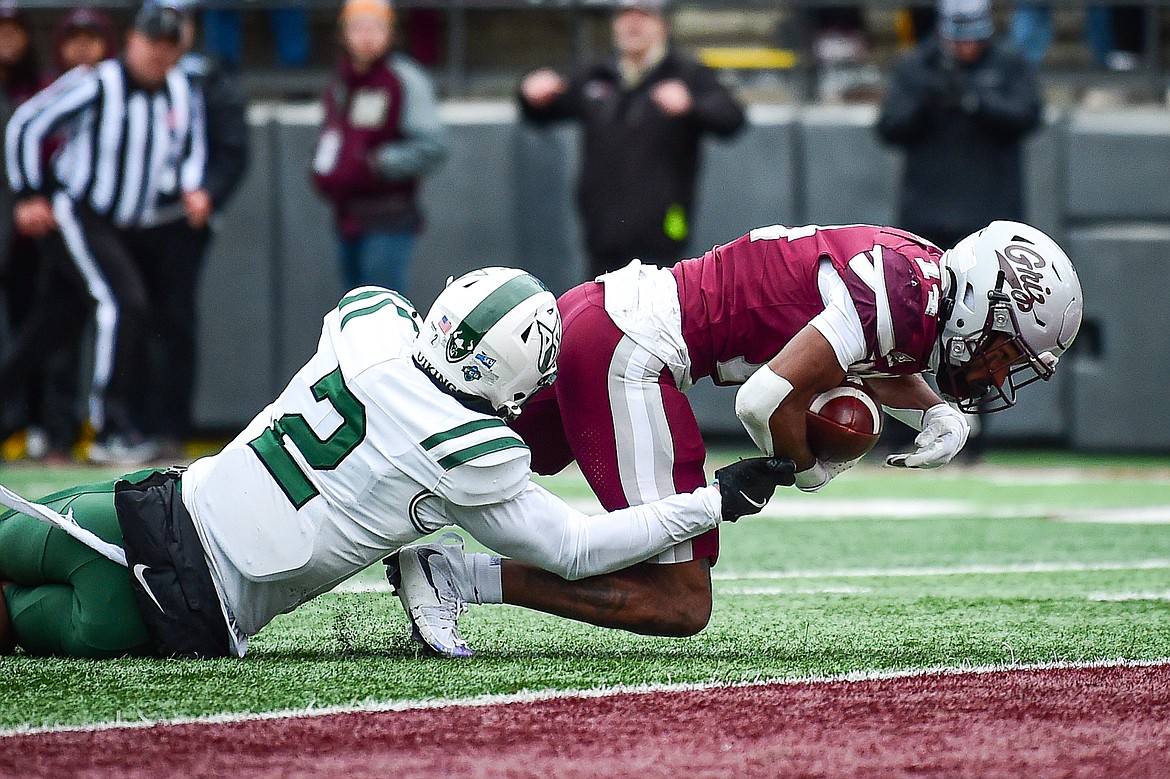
x: 360, y: 454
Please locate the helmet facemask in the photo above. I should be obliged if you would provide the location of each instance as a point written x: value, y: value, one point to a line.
x: 983, y: 374
x: 1011, y: 306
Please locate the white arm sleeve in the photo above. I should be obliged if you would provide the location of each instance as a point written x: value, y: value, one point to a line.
x: 539, y: 528
x: 910, y: 417
x: 839, y: 323
x: 757, y: 399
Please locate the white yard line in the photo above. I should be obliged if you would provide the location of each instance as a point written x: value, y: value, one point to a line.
x: 597, y: 692
x: 952, y: 570
x: 847, y: 509
x: 1121, y: 597
x: 820, y: 509
x: 977, y: 569
x: 827, y: 590
x: 1122, y: 515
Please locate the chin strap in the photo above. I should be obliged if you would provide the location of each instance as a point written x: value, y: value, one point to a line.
x: 1000, y: 304
x: 946, y: 306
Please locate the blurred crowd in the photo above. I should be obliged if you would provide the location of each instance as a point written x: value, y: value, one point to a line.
x: 121, y: 146
x: 121, y: 150
x: 1114, y: 34
x: 43, y: 408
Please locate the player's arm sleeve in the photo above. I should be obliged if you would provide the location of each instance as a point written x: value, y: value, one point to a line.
x: 839, y: 322
x: 756, y: 401
x: 539, y: 528
x: 425, y: 142
x: 905, y: 398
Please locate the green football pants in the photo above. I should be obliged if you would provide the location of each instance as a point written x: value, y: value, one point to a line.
x: 67, y: 599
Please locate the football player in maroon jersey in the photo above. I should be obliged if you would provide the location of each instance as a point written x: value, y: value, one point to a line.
x: 786, y: 313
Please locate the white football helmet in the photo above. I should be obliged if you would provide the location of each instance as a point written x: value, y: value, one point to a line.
x: 493, y: 334
x: 1011, y: 305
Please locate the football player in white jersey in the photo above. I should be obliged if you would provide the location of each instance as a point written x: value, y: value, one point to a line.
x: 394, y: 429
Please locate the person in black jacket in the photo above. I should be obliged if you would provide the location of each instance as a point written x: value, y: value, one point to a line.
x: 960, y: 106
x: 644, y: 112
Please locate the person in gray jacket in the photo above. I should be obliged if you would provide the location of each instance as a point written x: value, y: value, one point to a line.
x: 382, y: 134
x: 960, y: 105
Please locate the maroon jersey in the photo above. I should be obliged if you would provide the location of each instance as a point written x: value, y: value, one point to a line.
x: 744, y: 301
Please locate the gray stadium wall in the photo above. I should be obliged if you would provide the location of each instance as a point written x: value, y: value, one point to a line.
x: 505, y: 197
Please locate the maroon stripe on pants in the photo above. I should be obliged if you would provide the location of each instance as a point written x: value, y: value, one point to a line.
x: 573, y: 419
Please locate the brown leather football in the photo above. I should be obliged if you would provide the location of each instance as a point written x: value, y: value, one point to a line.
x: 845, y: 422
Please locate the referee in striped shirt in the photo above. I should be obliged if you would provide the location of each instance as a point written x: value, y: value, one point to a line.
x: 129, y: 173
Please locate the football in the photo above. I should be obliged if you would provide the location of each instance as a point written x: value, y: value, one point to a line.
x: 845, y: 422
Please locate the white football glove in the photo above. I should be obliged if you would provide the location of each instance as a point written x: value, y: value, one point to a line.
x: 944, y: 431
x: 821, y: 473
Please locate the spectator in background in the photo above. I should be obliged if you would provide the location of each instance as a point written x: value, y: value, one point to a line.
x: 117, y: 189
x: 960, y: 106
x: 382, y: 134
x: 644, y: 113
x: 81, y: 38
x: 7, y: 226
x: 1032, y: 31
x: 84, y: 36
x: 20, y: 261
x: 223, y: 32
x: 167, y: 396
x: 20, y: 72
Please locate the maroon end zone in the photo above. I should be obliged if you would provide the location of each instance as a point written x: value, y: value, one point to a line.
x: 1091, y: 722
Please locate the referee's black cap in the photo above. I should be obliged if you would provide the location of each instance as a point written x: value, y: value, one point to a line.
x: 159, y: 22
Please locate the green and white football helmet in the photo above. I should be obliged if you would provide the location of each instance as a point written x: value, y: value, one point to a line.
x: 492, y: 334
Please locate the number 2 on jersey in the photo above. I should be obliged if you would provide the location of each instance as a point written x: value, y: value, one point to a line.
x: 320, y: 454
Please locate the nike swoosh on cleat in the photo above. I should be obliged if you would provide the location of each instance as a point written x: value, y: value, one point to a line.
x: 139, y: 574
x: 759, y: 505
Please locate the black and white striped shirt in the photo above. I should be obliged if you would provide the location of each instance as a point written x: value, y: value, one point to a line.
x: 129, y: 152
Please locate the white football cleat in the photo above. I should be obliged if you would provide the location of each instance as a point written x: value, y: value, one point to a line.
x: 426, y: 579
x: 123, y: 450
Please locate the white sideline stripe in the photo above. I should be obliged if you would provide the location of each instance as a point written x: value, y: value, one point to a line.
x: 955, y: 570
x: 876, y: 573
x: 918, y: 509
x: 811, y: 508
x: 831, y: 509
x: 829, y: 590
x: 596, y: 692
x: 1121, y: 597
x: 1128, y: 515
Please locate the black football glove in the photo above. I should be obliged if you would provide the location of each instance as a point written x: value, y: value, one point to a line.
x: 747, y: 486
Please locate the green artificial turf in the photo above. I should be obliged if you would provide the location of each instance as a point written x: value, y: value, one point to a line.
x: 1009, y: 571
